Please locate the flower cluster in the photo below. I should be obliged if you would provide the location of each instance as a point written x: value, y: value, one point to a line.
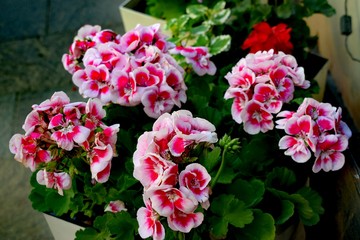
x: 317, y: 127
x: 259, y: 84
x: 127, y: 70
x: 172, y: 175
x: 132, y: 69
x: 157, y: 161
x: 265, y: 37
x: 57, y: 132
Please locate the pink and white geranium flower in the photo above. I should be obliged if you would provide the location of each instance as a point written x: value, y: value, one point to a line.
x: 165, y: 200
x: 198, y: 57
x: 135, y: 68
x: 196, y: 178
x: 299, y: 139
x: 57, y: 129
x: 153, y: 171
x: 259, y: 84
x: 60, y: 181
x: 313, y: 128
x: 184, y: 222
x: 149, y: 223
x: 159, y: 155
x: 329, y: 156
x: 115, y: 206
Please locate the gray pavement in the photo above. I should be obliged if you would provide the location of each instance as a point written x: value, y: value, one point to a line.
x: 33, y: 37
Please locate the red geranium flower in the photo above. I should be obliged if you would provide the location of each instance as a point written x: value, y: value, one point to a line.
x: 264, y: 37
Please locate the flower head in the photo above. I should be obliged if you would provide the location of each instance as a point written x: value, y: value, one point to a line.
x: 312, y: 128
x: 259, y: 85
x: 265, y: 37
x: 58, y: 130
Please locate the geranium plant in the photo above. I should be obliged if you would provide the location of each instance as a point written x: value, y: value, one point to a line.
x: 169, y: 146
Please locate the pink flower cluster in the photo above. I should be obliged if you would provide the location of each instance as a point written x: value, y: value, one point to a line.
x: 315, y: 127
x: 157, y: 160
x: 57, y: 130
x: 259, y: 84
x: 135, y: 68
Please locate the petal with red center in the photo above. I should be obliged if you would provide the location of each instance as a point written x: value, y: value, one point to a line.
x: 301, y: 156
x: 196, y: 178
x: 63, y: 140
x: 287, y: 142
x: 129, y: 41
x: 56, y: 121
x: 326, y: 123
x: 292, y: 126
x: 43, y: 156
x: 184, y: 222
x: 62, y: 181
x: 90, y: 89
x: 177, y: 146
x: 31, y: 120
x: 103, y: 175
x: 305, y: 124
x: 80, y: 134
x: 150, y: 170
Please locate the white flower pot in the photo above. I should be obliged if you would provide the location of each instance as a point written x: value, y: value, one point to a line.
x: 61, y: 229
x: 131, y: 17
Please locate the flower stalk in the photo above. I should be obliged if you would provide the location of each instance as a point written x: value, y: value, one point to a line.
x: 227, y: 144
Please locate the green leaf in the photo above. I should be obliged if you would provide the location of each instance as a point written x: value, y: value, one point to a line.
x: 284, y: 11
x: 310, y: 207
x: 219, y: 227
x: 165, y: 9
x: 261, y: 228
x: 220, y: 44
x: 232, y: 210
x: 250, y: 192
x: 254, y: 159
x: 287, y: 211
x: 308, y: 204
x: 59, y: 204
x: 196, y: 10
x: 210, y: 158
x: 201, y: 29
x: 227, y: 175
x: 219, y: 6
x: 201, y: 40
x: 280, y: 177
x: 96, y: 193
x: 123, y: 225
x: 239, y: 214
x: 319, y: 6
x: 220, y: 17
x: 88, y: 233
x: 37, y: 198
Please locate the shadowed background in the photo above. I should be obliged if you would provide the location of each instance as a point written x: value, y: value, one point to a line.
x: 33, y: 37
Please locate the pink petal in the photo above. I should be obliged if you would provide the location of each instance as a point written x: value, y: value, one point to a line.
x: 90, y: 89
x: 62, y: 140
x: 115, y: 206
x: 184, y: 222
x: 80, y: 134
x: 177, y: 146
x: 56, y: 121
x: 32, y: 119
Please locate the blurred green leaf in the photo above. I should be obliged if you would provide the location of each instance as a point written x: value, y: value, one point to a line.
x: 220, y: 44
x: 196, y: 10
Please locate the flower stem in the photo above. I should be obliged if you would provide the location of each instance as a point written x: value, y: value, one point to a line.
x: 213, y: 183
x: 181, y: 236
